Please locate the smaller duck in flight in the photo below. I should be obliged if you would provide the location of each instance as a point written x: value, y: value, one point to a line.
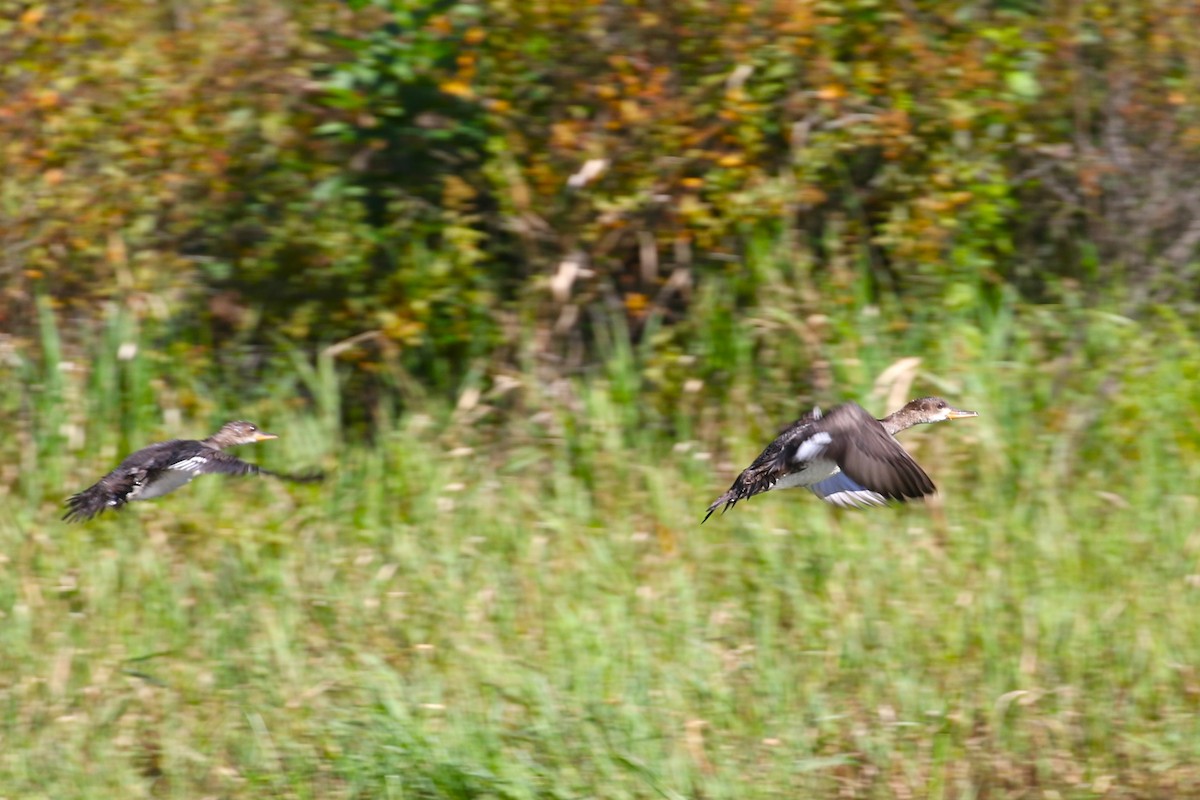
x: 163, y: 467
x: 846, y: 457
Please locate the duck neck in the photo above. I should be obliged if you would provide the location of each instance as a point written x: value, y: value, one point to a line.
x: 898, y: 420
x: 216, y: 442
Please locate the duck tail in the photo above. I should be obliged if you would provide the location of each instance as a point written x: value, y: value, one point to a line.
x: 86, y: 504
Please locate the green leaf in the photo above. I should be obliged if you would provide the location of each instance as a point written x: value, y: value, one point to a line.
x: 1023, y: 84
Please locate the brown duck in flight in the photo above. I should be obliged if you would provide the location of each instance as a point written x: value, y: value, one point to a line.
x: 845, y: 457
x: 165, y: 466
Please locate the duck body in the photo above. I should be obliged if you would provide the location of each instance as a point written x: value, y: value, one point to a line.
x: 163, y: 467
x: 846, y: 457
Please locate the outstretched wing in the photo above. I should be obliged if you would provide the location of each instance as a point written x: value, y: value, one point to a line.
x: 870, y: 457
x: 208, y: 461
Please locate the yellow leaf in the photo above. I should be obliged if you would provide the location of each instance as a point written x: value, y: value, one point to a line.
x: 631, y: 111
x: 457, y: 89
x: 33, y: 16
x: 47, y: 99
x: 563, y: 134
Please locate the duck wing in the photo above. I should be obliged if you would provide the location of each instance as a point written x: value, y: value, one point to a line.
x: 209, y: 461
x: 870, y: 457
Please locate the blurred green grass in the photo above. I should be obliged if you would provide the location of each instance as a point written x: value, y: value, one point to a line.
x: 531, y: 610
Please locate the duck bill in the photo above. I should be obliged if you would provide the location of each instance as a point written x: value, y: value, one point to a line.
x: 958, y: 413
x: 262, y: 436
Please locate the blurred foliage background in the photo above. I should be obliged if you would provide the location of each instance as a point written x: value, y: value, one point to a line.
x: 532, y: 280
x: 458, y: 188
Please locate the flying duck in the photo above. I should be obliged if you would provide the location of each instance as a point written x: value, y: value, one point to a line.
x: 846, y: 457
x: 165, y: 466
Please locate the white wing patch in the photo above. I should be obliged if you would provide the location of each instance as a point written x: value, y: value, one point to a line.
x: 812, y: 448
x: 843, y: 491
x: 192, y: 464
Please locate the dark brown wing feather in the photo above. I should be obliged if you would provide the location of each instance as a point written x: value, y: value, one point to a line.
x: 865, y: 452
x: 225, y: 464
x: 765, y: 470
x: 315, y: 476
x: 216, y: 462
x: 205, y: 460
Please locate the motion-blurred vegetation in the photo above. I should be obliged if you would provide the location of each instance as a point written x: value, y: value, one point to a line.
x: 540, y: 615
